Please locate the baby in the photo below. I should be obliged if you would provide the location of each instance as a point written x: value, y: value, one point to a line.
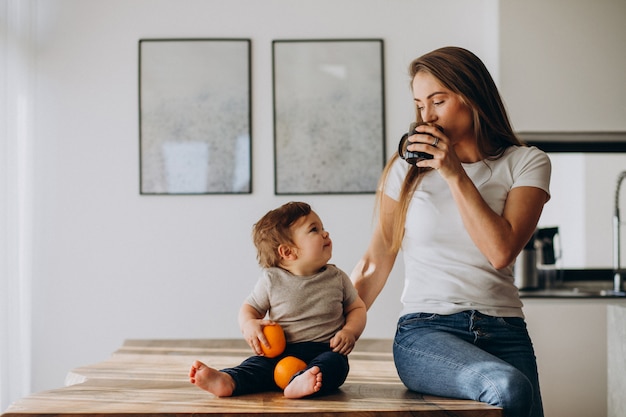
x: 314, y: 302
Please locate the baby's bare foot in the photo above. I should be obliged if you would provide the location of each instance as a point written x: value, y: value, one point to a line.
x: 209, y: 379
x: 305, y: 384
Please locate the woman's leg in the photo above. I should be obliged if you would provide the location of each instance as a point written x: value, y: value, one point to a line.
x: 441, y: 355
x: 508, y: 339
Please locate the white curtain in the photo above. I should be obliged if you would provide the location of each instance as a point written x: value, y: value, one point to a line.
x: 15, y: 198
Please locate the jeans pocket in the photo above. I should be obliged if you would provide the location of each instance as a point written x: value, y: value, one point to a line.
x: 515, y: 322
x: 413, y: 320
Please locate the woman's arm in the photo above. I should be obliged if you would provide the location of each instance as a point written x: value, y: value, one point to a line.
x: 499, y: 237
x: 371, y: 272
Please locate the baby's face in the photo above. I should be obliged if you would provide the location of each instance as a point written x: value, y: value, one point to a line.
x: 313, y: 242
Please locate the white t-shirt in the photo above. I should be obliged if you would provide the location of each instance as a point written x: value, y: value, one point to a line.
x: 445, y: 273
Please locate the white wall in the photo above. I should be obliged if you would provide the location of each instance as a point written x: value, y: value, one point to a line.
x: 16, y: 208
x: 110, y: 264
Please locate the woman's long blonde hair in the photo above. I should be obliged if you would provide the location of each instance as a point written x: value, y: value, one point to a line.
x: 463, y: 73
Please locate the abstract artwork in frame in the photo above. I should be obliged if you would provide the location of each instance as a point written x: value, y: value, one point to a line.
x: 194, y: 116
x: 328, y: 116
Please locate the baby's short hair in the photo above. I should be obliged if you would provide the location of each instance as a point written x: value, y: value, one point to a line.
x: 272, y: 230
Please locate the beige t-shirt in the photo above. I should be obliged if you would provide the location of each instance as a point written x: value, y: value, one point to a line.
x: 309, y: 308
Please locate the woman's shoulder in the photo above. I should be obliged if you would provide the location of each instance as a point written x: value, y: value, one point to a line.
x: 519, y: 156
x: 521, y: 152
x: 395, y: 177
x: 527, y: 166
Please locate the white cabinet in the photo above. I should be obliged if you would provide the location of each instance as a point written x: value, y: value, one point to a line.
x: 562, y: 64
x: 570, y: 339
x: 616, y: 363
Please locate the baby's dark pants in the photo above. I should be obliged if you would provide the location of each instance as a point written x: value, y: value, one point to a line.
x: 256, y: 374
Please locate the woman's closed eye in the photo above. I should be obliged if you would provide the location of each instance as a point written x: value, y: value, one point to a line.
x: 435, y: 103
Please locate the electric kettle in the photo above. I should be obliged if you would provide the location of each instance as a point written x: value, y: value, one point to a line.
x: 546, y: 243
x: 525, y: 269
x: 535, y: 267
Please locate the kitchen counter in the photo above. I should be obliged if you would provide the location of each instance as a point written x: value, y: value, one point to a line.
x: 570, y: 340
x: 578, y: 283
x: 565, y: 292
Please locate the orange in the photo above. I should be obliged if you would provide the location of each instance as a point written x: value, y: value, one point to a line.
x: 276, y: 338
x: 286, y: 368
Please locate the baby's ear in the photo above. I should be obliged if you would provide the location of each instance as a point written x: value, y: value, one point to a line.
x: 287, y: 252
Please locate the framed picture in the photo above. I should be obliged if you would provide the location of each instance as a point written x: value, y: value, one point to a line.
x: 194, y: 116
x: 328, y: 116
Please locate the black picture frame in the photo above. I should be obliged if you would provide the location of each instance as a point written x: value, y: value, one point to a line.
x: 195, y: 116
x: 329, y: 115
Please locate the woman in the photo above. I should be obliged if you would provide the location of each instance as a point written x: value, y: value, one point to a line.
x: 461, y: 218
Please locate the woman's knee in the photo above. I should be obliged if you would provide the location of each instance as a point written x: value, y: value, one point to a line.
x: 511, y: 390
x: 494, y: 383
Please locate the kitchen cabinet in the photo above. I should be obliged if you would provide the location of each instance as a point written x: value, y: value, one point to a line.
x: 562, y: 64
x: 616, y: 364
x: 570, y: 340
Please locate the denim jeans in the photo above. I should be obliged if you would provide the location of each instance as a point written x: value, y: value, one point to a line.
x: 472, y: 356
x: 256, y: 374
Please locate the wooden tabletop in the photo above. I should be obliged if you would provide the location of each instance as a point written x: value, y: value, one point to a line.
x: 149, y: 377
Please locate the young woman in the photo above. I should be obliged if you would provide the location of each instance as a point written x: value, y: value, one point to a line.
x: 460, y: 218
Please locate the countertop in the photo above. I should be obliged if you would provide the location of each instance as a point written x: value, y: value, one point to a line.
x: 578, y: 283
x: 149, y: 377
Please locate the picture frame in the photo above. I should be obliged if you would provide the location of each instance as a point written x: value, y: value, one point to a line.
x: 195, y: 116
x: 329, y: 115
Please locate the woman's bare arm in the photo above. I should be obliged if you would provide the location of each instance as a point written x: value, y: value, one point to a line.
x: 371, y: 272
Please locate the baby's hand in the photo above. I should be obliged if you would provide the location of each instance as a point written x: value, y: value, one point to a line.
x: 342, y: 342
x: 253, y: 334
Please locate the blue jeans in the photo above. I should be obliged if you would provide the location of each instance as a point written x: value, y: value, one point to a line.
x: 256, y: 374
x: 472, y: 356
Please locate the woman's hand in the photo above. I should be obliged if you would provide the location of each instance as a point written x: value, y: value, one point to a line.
x: 432, y: 140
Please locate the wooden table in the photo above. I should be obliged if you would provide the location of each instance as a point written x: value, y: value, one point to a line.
x: 149, y: 377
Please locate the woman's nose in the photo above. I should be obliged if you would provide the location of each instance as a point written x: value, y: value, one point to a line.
x: 428, y: 115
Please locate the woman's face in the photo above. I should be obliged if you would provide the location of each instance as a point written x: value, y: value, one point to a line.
x: 439, y: 105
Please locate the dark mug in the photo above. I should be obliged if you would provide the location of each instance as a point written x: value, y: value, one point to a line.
x: 413, y: 157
